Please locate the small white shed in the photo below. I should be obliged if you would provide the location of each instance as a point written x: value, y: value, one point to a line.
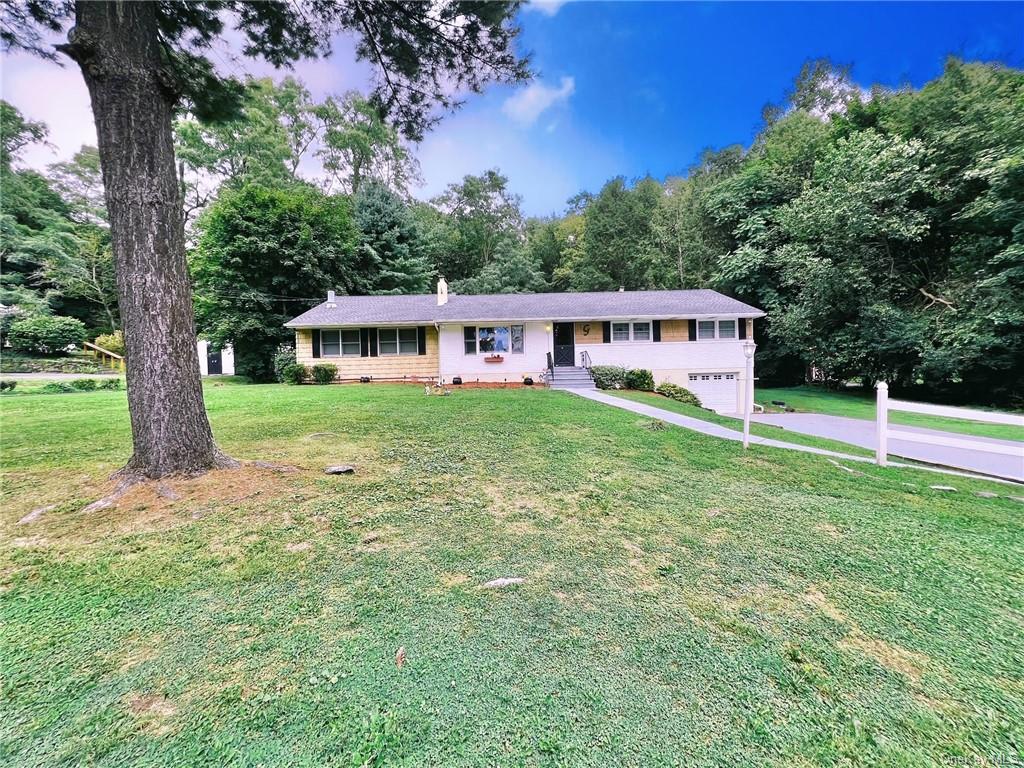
x: 214, y: 361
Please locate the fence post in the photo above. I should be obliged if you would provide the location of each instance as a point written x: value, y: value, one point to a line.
x: 882, y: 423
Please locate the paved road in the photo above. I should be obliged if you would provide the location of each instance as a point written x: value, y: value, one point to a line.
x: 707, y: 428
x: 862, y: 433
x: 58, y: 376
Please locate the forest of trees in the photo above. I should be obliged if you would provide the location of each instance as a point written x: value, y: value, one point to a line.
x: 882, y: 232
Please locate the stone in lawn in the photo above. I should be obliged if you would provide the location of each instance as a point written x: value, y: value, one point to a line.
x: 987, y: 495
x: 505, y: 581
x: 35, y: 514
x: 942, y: 488
x: 340, y: 469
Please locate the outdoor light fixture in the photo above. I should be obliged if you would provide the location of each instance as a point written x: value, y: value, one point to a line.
x: 748, y: 389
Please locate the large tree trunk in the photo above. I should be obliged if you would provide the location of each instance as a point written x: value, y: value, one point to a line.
x: 117, y: 48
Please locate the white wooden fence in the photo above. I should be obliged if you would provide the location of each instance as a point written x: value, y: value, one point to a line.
x: 884, y: 433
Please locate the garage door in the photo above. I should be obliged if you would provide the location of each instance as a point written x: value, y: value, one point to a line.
x: 716, y: 390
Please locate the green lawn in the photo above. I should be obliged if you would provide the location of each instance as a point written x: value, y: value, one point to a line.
x: 861, y: 405
x: 685, y: 603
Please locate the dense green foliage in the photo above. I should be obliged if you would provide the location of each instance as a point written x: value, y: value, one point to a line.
x: 609, y: 376
x: 266, y: 254
x: 676, y: 392
x: 54, y: 247
x: 640, y: 379
x: 323, y: 373
x: 682, y: 597
x: 45, y: 334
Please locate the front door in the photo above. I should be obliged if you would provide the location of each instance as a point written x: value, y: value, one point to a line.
x: 565, y: 344
x: 213, y: 362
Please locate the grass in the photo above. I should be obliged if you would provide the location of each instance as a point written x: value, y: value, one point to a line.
x: 856, y: 404
x: 761, y: 430
x: 685, y: 602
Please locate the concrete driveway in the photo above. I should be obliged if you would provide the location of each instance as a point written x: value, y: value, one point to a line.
x: 862, y: 433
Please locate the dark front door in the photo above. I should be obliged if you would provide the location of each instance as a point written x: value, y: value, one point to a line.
x: 213, y: 362
x: 565, y: 344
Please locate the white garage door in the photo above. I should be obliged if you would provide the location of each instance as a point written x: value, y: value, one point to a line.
x: 717, y: 391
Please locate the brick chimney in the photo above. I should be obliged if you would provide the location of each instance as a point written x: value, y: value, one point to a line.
x: 442, y: 292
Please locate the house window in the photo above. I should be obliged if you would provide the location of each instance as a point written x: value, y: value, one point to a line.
x: 517, y: 339
x: 350, y: 343
x: 493, y: 339
x: 727, y: 329
x: 705, y: 329
x: 641, y: 331
x: 620, y: 331
x: 469, y: 339
x: 397, y: 341
x: 330, y: 343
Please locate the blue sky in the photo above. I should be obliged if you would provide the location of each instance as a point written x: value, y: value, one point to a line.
x: 623, y: 88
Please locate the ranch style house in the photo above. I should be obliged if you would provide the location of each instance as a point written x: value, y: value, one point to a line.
x: 692, y: 338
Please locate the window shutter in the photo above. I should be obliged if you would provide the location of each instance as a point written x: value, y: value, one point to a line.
x: 316, y: 342
x: 364, y: 342
x: 743, y: 327
x: 372, y: 339
x: 656, y: 330
x: 421, y: 339
x: 606, y: 332
x: 692, y: 330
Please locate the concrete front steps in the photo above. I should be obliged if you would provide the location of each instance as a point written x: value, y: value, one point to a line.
x: 571, y: 377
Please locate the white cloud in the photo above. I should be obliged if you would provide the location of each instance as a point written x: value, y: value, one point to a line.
x: 527, y: 105
x: 547, y: 7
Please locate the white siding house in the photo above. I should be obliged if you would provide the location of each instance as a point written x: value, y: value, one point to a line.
x: 695, y: 339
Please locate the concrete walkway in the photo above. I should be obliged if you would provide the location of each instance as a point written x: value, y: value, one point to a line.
x: 707, y: 428
x: 861, y: 432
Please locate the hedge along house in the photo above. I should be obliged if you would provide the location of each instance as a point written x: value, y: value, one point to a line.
x: 691, y: 338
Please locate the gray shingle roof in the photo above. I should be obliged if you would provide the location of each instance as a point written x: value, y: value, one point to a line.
x: 423, y: 308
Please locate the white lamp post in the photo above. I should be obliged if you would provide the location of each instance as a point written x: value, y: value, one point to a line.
x: 748, y: 390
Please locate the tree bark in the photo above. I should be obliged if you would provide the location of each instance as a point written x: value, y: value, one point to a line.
x: 116, y: 45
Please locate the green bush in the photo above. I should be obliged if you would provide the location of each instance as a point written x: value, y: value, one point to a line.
x: 45, y: 334
x: 84, y: 385
x: 324, y: 373
x: 7, y: 385
x: 56, y: 388
x: 640, y: 378
x: 675, y: 392
x: 609, y: 376
x: 109, y: 384
x: 283, y: 358
x: 112, y: 342
x: 294, y: 373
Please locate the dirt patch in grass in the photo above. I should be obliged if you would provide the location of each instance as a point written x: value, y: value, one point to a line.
x: 154, y: 712
x: 887, y: 654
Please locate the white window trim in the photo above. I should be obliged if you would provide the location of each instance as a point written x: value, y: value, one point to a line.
x: 632, y: 332
x: 717, y: 333
x: 341, y: 343
x: 476, y: 339
x: 398, y: 342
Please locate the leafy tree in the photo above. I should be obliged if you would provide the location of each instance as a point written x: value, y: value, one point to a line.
x: 483, y: 213
x: 512, y: 270
x: 389, y: 239
x: 141, y: 61
x: 619, y: 242
x: 80, y: 182
x: 263, y: 255
x: 358, y: 146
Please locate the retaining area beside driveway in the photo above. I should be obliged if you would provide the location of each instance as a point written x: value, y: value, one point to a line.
x: 707, y: 428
